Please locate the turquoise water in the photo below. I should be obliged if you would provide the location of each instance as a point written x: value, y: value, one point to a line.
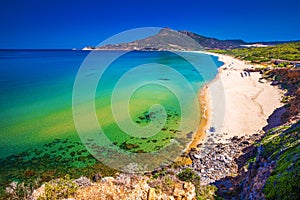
x: 36, y: 96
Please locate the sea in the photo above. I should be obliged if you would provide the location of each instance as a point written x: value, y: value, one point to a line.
x: 37, y: 87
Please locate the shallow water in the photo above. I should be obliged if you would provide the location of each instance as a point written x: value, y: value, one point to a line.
x: 36, y: 97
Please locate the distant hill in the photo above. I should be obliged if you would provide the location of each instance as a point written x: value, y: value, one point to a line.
x: 213, y: 43
x: 167, y: 39
x: 278, y: 42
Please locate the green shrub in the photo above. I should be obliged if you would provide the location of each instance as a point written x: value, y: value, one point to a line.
x: 202, y: 192
x: 168, y: 183
x: 284, y: 185
x: 188, y: 174
x: 282, y: 144
x: 207, y: 193
x: 159, y: 174
x: 59, y: 188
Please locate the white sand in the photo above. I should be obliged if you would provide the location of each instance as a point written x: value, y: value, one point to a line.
x: 240, y: 105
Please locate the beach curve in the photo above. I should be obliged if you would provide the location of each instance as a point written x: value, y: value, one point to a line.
x: 245, y: 97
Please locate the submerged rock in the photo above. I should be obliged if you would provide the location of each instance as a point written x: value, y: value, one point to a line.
x: 97, y: 177
x: 128, y: 146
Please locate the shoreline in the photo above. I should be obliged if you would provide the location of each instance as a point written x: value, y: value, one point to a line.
x: 205, y: 106
x: 244, y: 97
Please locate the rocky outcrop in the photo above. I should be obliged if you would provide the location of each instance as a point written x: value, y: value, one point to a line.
x: 289, y: 79
x: 254, y: 179
x: 264, y: 170
x: 137, y: 187
x: 217, y: 160
x: 130, y: 186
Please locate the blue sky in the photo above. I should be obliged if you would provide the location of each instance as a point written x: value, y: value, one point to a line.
x: 78, y: 23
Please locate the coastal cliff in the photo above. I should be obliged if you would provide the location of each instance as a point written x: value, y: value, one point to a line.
x: 124, y: 186
x: 269, y: 167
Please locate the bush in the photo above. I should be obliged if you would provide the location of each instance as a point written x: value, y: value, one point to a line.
x: 202, y: 192
x: 282, y: 144
x: 159, y: 174
x: 189, y: 175
x: 59, y: 188
x: 283, y: 186
x: 207, y: 192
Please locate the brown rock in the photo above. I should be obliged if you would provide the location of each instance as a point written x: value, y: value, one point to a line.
x: 151, y: 194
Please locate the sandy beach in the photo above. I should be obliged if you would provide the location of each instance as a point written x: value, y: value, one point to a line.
x: 235, y: 103
x: 205, y: 105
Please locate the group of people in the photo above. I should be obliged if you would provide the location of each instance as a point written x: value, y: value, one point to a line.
x: 245, y: 73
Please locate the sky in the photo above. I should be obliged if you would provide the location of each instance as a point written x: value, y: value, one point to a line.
x: 55, y: 24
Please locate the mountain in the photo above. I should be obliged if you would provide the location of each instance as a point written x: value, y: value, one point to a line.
x: 213, y: 43
x: 167, y: 39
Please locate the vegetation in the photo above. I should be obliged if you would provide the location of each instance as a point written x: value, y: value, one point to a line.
x: 207, y: 193
x: 202, y: 192
x: 159, y: 174
x: 168, y: 183
x: 282, y: 144
x: 20, y: 191
x: 59, y: 188
x: 288, y: 52
x: 35, y: 167
x: 189, y: 175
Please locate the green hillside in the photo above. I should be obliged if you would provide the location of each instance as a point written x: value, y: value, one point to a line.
x: 288, y: 52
